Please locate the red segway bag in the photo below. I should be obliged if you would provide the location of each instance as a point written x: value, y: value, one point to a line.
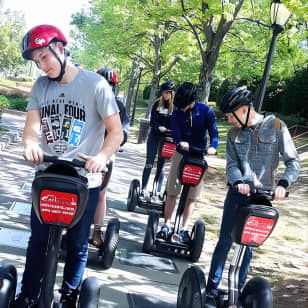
x: 254, y: 224
x: 167, y: 147
x: 191, y: 169
x: 59, y: 195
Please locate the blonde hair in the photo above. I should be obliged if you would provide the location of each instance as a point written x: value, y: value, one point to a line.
x: 161, y: 103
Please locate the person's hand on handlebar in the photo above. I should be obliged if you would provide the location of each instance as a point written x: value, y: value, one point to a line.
x: 280, y: 193
x: 211, y: 151
x: 184, y: 145
x: 162, y: 129
x: 244, y: 189
x: 33, y: 153
x: 95, y: 163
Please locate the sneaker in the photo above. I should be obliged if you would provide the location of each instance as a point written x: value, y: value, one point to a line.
x: 184, y: 236
x: 22, y: 301
x: 163, y: 233
x: 97, y: 238
x: 68, y: 300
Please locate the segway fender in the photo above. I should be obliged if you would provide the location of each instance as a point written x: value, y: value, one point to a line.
x: 89, y: 293
x: 257, y: 293
x: 8, y: 282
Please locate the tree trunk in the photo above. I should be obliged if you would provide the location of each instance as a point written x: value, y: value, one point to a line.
x: 132, y: 82
x: 204, y: 86
x: 157, y: 42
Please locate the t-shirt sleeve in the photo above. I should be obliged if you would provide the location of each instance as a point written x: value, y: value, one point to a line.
x: 33, y: 103
x: 105, y: 101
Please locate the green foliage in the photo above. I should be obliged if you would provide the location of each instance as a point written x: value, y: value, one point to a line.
x: 17, y: 103
x: 11, y: 32
x: 4, y: 103
x: 294, y: 99
x: 146, y: 92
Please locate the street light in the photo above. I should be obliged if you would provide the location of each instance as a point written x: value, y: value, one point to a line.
x: 280, y: 15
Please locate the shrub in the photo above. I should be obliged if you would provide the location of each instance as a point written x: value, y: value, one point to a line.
x: 4, y: 103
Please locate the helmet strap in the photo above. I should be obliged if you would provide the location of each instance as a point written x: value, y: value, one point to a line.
x: 247, y: 117
x: 62, y: 64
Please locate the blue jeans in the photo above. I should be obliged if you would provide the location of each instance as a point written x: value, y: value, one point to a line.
x: 152, y: 145
x: 77, y: 250
x: 233, y: 201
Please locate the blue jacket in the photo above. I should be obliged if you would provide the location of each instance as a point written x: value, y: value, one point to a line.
x: 192, y: 126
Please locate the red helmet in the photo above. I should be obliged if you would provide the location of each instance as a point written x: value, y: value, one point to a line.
x: 40, y: 36
x: 110, y: 75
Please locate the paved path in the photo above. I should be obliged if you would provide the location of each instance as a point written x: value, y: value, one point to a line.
x: 136, y: 280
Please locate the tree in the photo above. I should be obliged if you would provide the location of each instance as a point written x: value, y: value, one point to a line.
x: 11, y: 32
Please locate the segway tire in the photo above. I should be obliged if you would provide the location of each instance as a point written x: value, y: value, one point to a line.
x: 257, y: 293
x: 89, y: 293
x: 192, y: 289
x: 8, y: 282
x: 132, y: 198
x: 110, y: 242
x: 150, y: 232
x: 198, y: 234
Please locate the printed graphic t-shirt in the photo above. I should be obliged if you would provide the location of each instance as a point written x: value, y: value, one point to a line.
x: 72, y: 113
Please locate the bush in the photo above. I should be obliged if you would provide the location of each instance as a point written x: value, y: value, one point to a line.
x: 4, y: 103
x: 18, y: 103
x: 294, y: 99
x: 146, y: 92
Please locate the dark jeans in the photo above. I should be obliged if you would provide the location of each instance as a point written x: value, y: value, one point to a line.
x: 77, y: 250
x: 234, y: 200
x: 152, y: 145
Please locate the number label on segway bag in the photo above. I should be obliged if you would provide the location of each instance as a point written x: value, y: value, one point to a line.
x: 191, y: 174
x: 257, y: 230
x: 168, y: 149
x: 58, y: 207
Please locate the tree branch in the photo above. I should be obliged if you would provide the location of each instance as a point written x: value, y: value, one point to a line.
x: 256, y: 21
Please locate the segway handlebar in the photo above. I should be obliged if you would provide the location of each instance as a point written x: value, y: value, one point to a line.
x: 196, y: 150
x: 54, y: 159
x: 269, y: 194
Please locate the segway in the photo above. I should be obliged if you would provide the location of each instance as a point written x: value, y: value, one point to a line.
x: 191, y: 171
x: 154, y: 201
x: 59, y: 197
x: 8, y: 282
x: 253, y: 226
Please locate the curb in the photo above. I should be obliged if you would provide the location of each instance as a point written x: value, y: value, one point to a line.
x: 14, y: 112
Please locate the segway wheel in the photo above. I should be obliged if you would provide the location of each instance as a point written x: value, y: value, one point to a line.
x: 257, y: 293
x: 192, y: 289
x: 198, y: 234
x: 89, y: 293
x: 8, y: 282
x: 110, y: 242
x: 132, y: 198
x: 150, y: 232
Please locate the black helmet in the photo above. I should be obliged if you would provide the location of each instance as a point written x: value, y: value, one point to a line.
x: 167, y: 86
x: 235, y: 98
x: 185, y: 95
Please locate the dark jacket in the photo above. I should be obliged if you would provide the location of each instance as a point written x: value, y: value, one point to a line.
x: 192, y: 126
x: 158, y: 118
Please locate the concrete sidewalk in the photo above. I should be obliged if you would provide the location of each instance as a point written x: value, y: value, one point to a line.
x: 135, y: 280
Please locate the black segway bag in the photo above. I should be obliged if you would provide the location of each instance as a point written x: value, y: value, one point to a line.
x: 59, y: 195
x: 191, y: 169
x: 254, y: 224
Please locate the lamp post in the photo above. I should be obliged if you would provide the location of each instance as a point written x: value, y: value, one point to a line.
x: 280, y: 15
